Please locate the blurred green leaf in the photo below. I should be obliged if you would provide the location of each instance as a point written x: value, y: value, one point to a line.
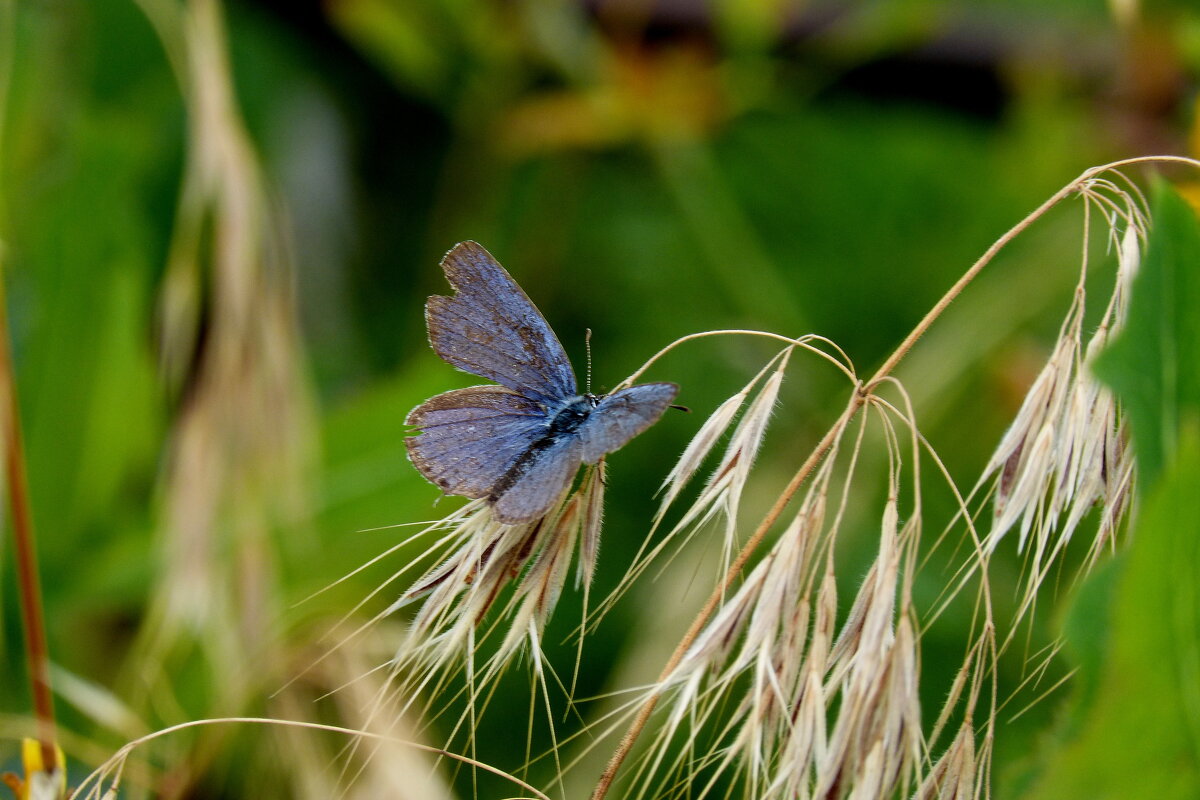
x: 1152, y: 364
x: 405, y: 38
x: 1141, y: 737
x: 1137, y: 713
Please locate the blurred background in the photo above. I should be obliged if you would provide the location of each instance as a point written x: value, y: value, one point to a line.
x: 219, y: 224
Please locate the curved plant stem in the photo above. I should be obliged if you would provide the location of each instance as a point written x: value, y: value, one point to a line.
x: 25, y: 549
x: 902, y: 350
x: 857, y: 402
x: 110, y: 770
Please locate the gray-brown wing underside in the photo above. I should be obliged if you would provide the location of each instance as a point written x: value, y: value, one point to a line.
x: 492, y: 329
x: 470, y: 438
x: 620, y: 416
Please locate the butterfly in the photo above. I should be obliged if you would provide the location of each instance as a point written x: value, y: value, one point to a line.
x: 518, y: 444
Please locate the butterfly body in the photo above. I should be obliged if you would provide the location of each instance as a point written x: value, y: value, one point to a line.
x: 518, y: 444
x: 573, y: 413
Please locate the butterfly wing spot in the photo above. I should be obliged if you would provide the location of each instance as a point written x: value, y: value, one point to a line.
x: 480, y: 337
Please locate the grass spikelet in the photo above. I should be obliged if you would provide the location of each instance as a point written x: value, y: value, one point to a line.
x: 722, y: 494
x: 702, y: 444
x: 487, y: 559
x: 592, y: 505
x: 1065, y: 451
x: 876, y: 740
x: 955, y: 775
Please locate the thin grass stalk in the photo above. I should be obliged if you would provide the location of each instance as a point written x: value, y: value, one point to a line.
x: 24, y: 538
x: 37, y: 653
x: 92, y: 787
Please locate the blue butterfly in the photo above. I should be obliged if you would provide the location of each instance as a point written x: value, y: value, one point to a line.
x: 521, y: 443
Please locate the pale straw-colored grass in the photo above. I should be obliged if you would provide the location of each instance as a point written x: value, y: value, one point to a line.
x: 240, y: 444
x: 241, y: 439
x: 1066, y: 451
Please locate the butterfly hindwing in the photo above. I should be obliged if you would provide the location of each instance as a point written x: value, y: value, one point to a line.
x: 620, y: 416
x: 470, y: 438
x: 529, y: 491
x: 492, y: 329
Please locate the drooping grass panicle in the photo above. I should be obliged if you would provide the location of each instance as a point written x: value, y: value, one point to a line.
x: 483, y: 560
x: 767, y: 650
x: 772, y: 652
x: 1066, y: 451
x: 887, y: 706
x: 751, y: 408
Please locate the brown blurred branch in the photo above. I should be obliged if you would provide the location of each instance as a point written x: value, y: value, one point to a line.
x: 24, y: 543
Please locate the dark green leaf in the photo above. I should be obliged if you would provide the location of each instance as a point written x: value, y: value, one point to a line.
x: 1141, y: 736
x: 1153, y: 364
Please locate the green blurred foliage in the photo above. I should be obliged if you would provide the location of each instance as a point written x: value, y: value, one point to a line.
x: 1151, y: 365
x: 1133, y: 730
x: 645, y: 173
x: 91, y: 155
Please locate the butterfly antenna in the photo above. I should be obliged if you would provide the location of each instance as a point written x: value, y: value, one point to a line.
x: 587, y: 343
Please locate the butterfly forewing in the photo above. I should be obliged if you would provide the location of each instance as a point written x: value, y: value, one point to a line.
x: 470, y: 438
x: 492, y: 329
x: 620, y: 416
